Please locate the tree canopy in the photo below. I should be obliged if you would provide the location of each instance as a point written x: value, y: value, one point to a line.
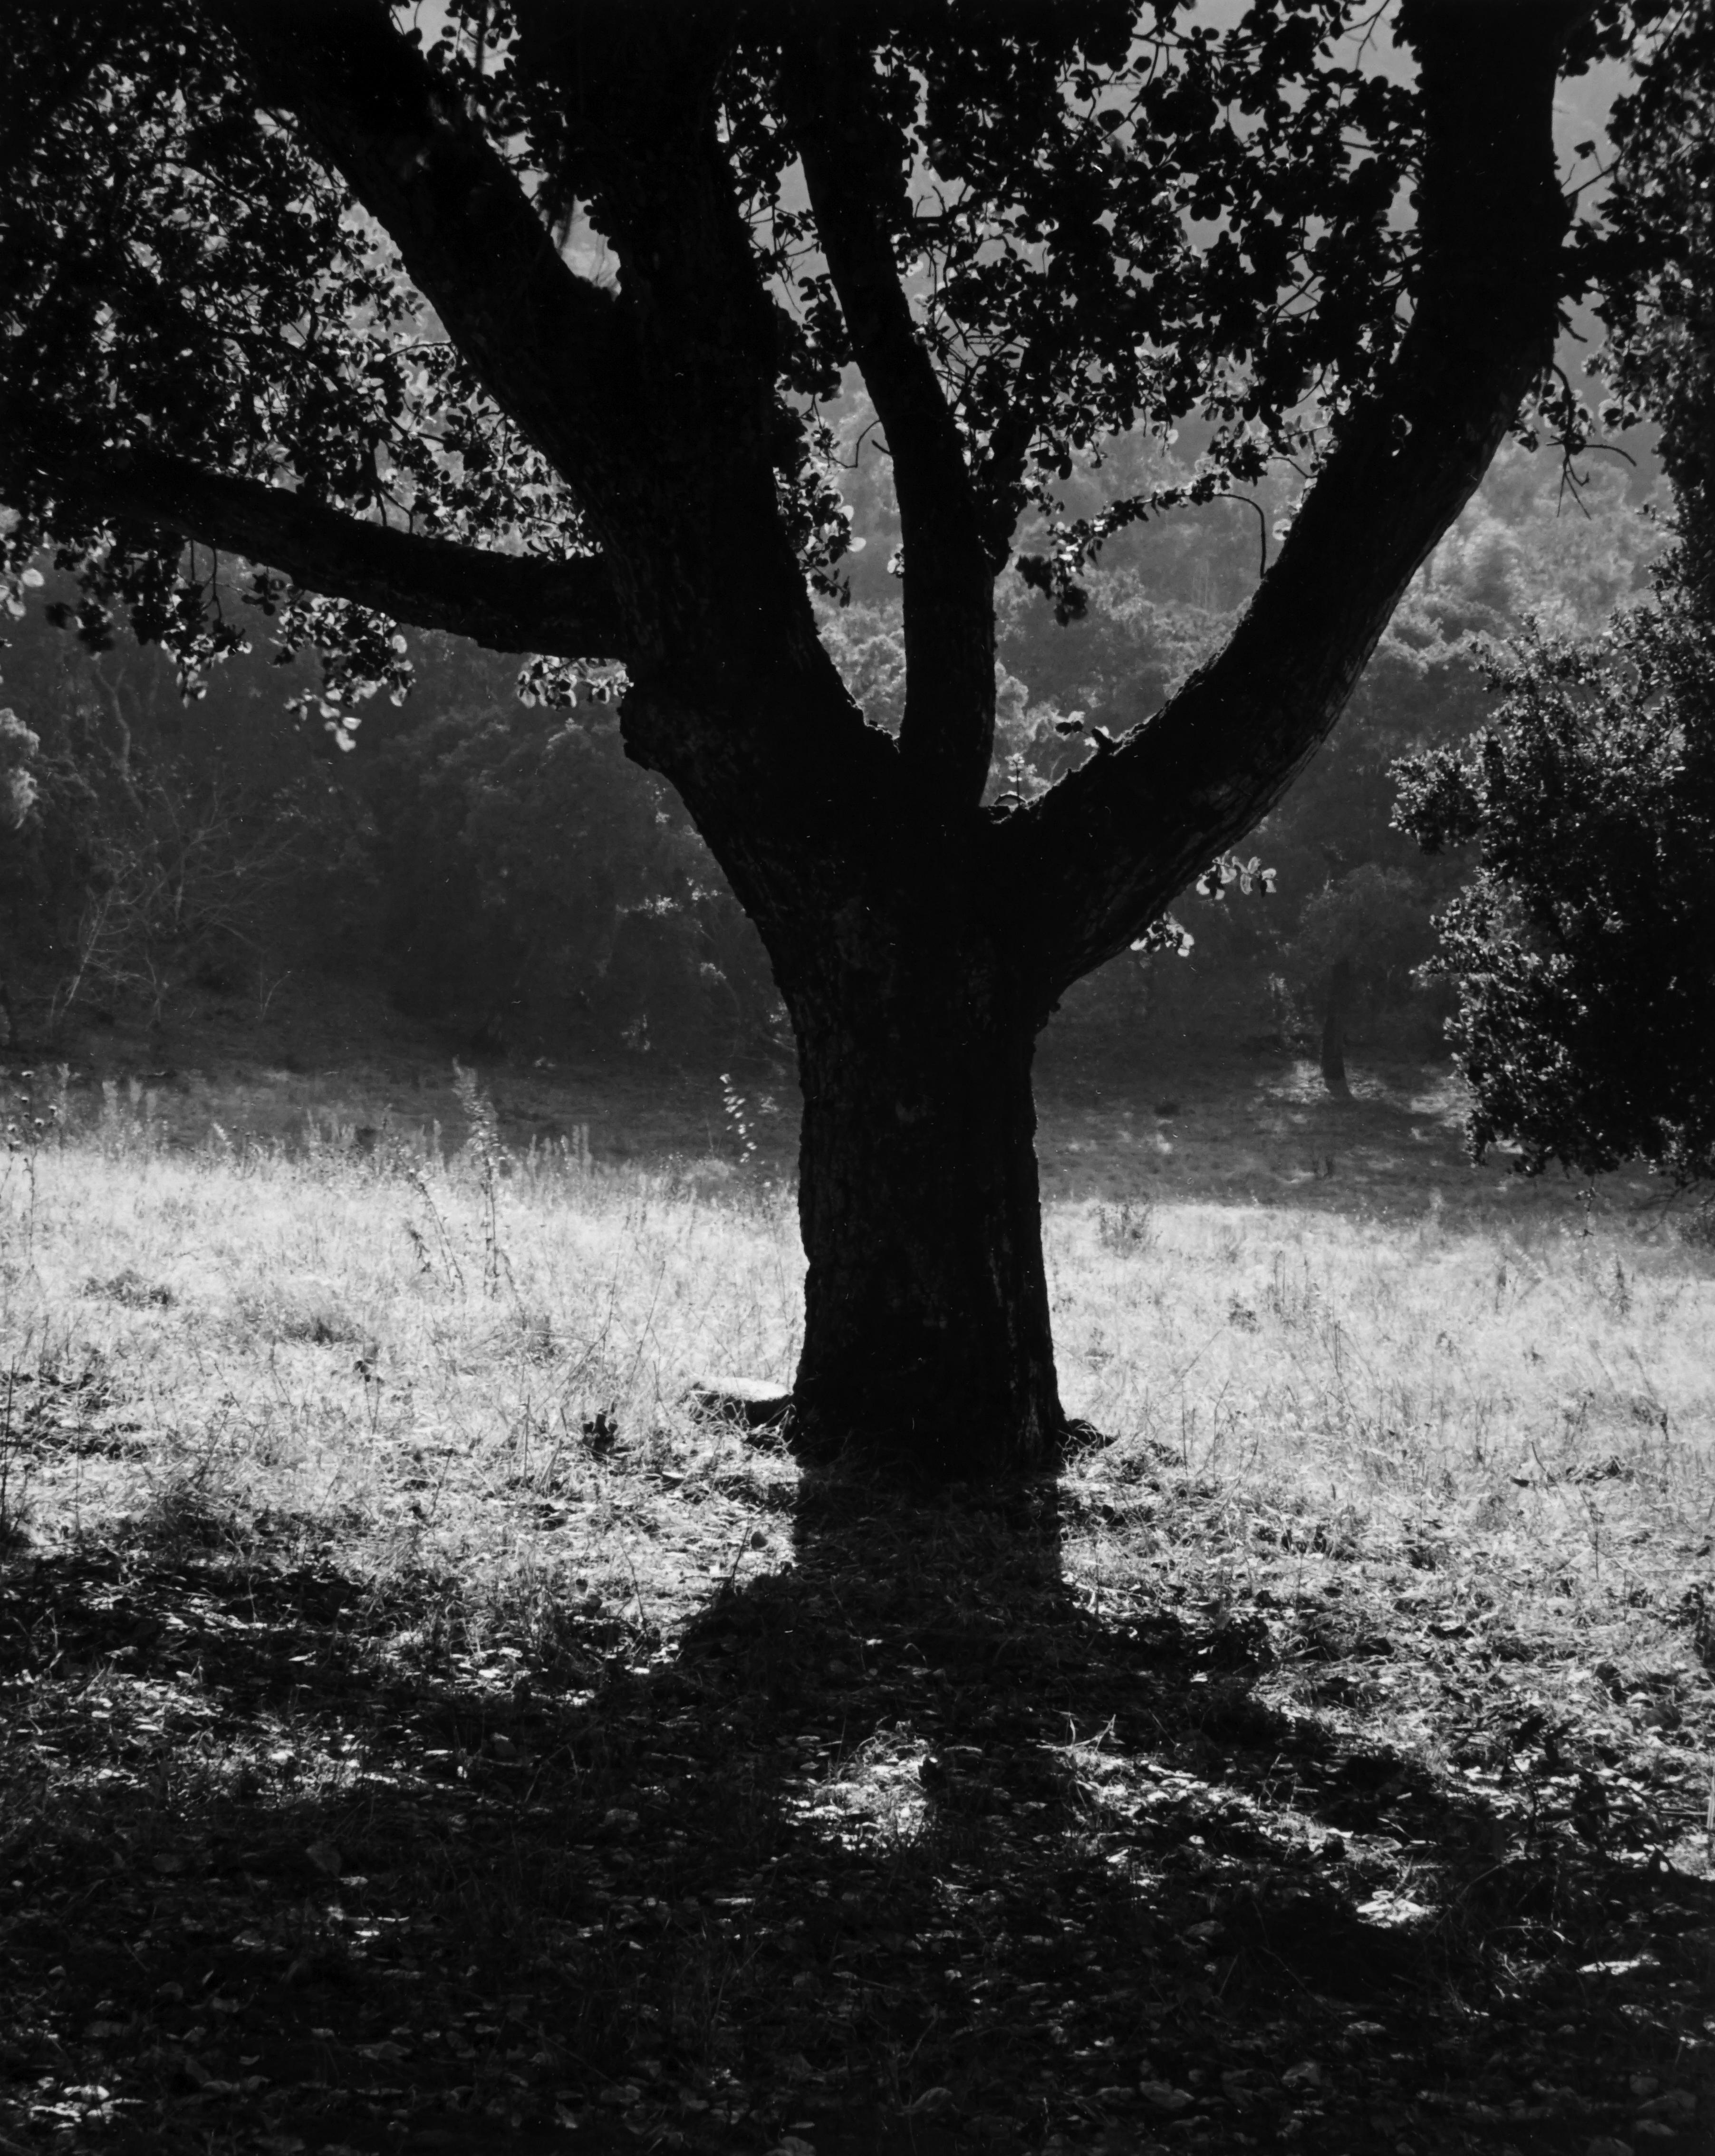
x: 1657, y: 273
x: 247, y: 243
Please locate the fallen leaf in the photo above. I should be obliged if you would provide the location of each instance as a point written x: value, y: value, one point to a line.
x: 1677, y: 2105
x: 1395, y: 1910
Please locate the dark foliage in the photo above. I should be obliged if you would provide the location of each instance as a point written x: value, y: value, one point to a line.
x: 145, y: 858
x: 536, y: 889
x: 1659, y: 269
x: 505, y: 873
x: 1582, y: 948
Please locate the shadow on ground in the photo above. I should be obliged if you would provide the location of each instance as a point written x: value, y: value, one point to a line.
x: 908, y: 1846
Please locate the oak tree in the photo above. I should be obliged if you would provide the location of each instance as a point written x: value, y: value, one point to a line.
x: 522, y: 328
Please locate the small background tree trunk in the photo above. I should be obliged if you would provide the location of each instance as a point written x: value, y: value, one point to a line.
x: 1333, y: 1029
x: 926, y: 1335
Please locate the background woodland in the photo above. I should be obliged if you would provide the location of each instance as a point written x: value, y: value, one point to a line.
x: 503, y: 872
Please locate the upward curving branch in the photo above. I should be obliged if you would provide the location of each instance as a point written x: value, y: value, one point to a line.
x: 508, y: 602
x: 854, y: 173
x: 1100, y: 856
x: 549, y: 346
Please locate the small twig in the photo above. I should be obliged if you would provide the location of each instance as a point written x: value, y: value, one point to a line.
x: 1262, y: 523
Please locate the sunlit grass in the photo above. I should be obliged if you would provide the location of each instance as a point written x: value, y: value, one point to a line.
x: 1512, y: 1431
x: 364, y: 1344
x: 406, y: 1350
x: 1386, y: 1368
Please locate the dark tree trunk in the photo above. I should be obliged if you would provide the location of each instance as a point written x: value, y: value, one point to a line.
x: 927, y: 1332
x: 1334, y: 1028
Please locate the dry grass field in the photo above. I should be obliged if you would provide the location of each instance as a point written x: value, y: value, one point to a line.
x: 419, y: 1731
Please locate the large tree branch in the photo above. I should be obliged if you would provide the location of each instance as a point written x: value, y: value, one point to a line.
x: 855, y: 180
x: 548, y: 345
x: 508, y: 602
x: 656, y: 401
x: 1087, y: 871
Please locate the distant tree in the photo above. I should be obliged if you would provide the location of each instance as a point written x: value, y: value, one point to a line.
x: 523, y: 331
x: 1584, y: 949
x: 1364, y: 933
x: 167, y: 850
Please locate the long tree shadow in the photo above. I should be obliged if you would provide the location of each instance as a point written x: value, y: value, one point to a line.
x: 1152, y: 1903
x: 912, y: 1844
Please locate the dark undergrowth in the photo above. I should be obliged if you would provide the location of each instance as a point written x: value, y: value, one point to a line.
x: 909, y: 1843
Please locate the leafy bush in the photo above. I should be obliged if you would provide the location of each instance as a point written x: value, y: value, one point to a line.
x: 1582, y: 949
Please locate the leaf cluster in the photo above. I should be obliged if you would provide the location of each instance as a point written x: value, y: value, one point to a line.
x: 1104, y: 216
x: 1656, y: 269
x: 1106, y: 221
x: 178, y: 274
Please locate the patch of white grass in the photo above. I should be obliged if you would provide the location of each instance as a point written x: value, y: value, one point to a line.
x: 422, y: 1358
x: 1368, y: 1357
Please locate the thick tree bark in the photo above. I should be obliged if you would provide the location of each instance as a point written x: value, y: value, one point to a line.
x: 927, y: 1332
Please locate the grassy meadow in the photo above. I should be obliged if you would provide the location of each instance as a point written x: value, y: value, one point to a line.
x: 421, y: 1732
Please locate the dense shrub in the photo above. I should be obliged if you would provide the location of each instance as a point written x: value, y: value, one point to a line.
x: 1584, y: 949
